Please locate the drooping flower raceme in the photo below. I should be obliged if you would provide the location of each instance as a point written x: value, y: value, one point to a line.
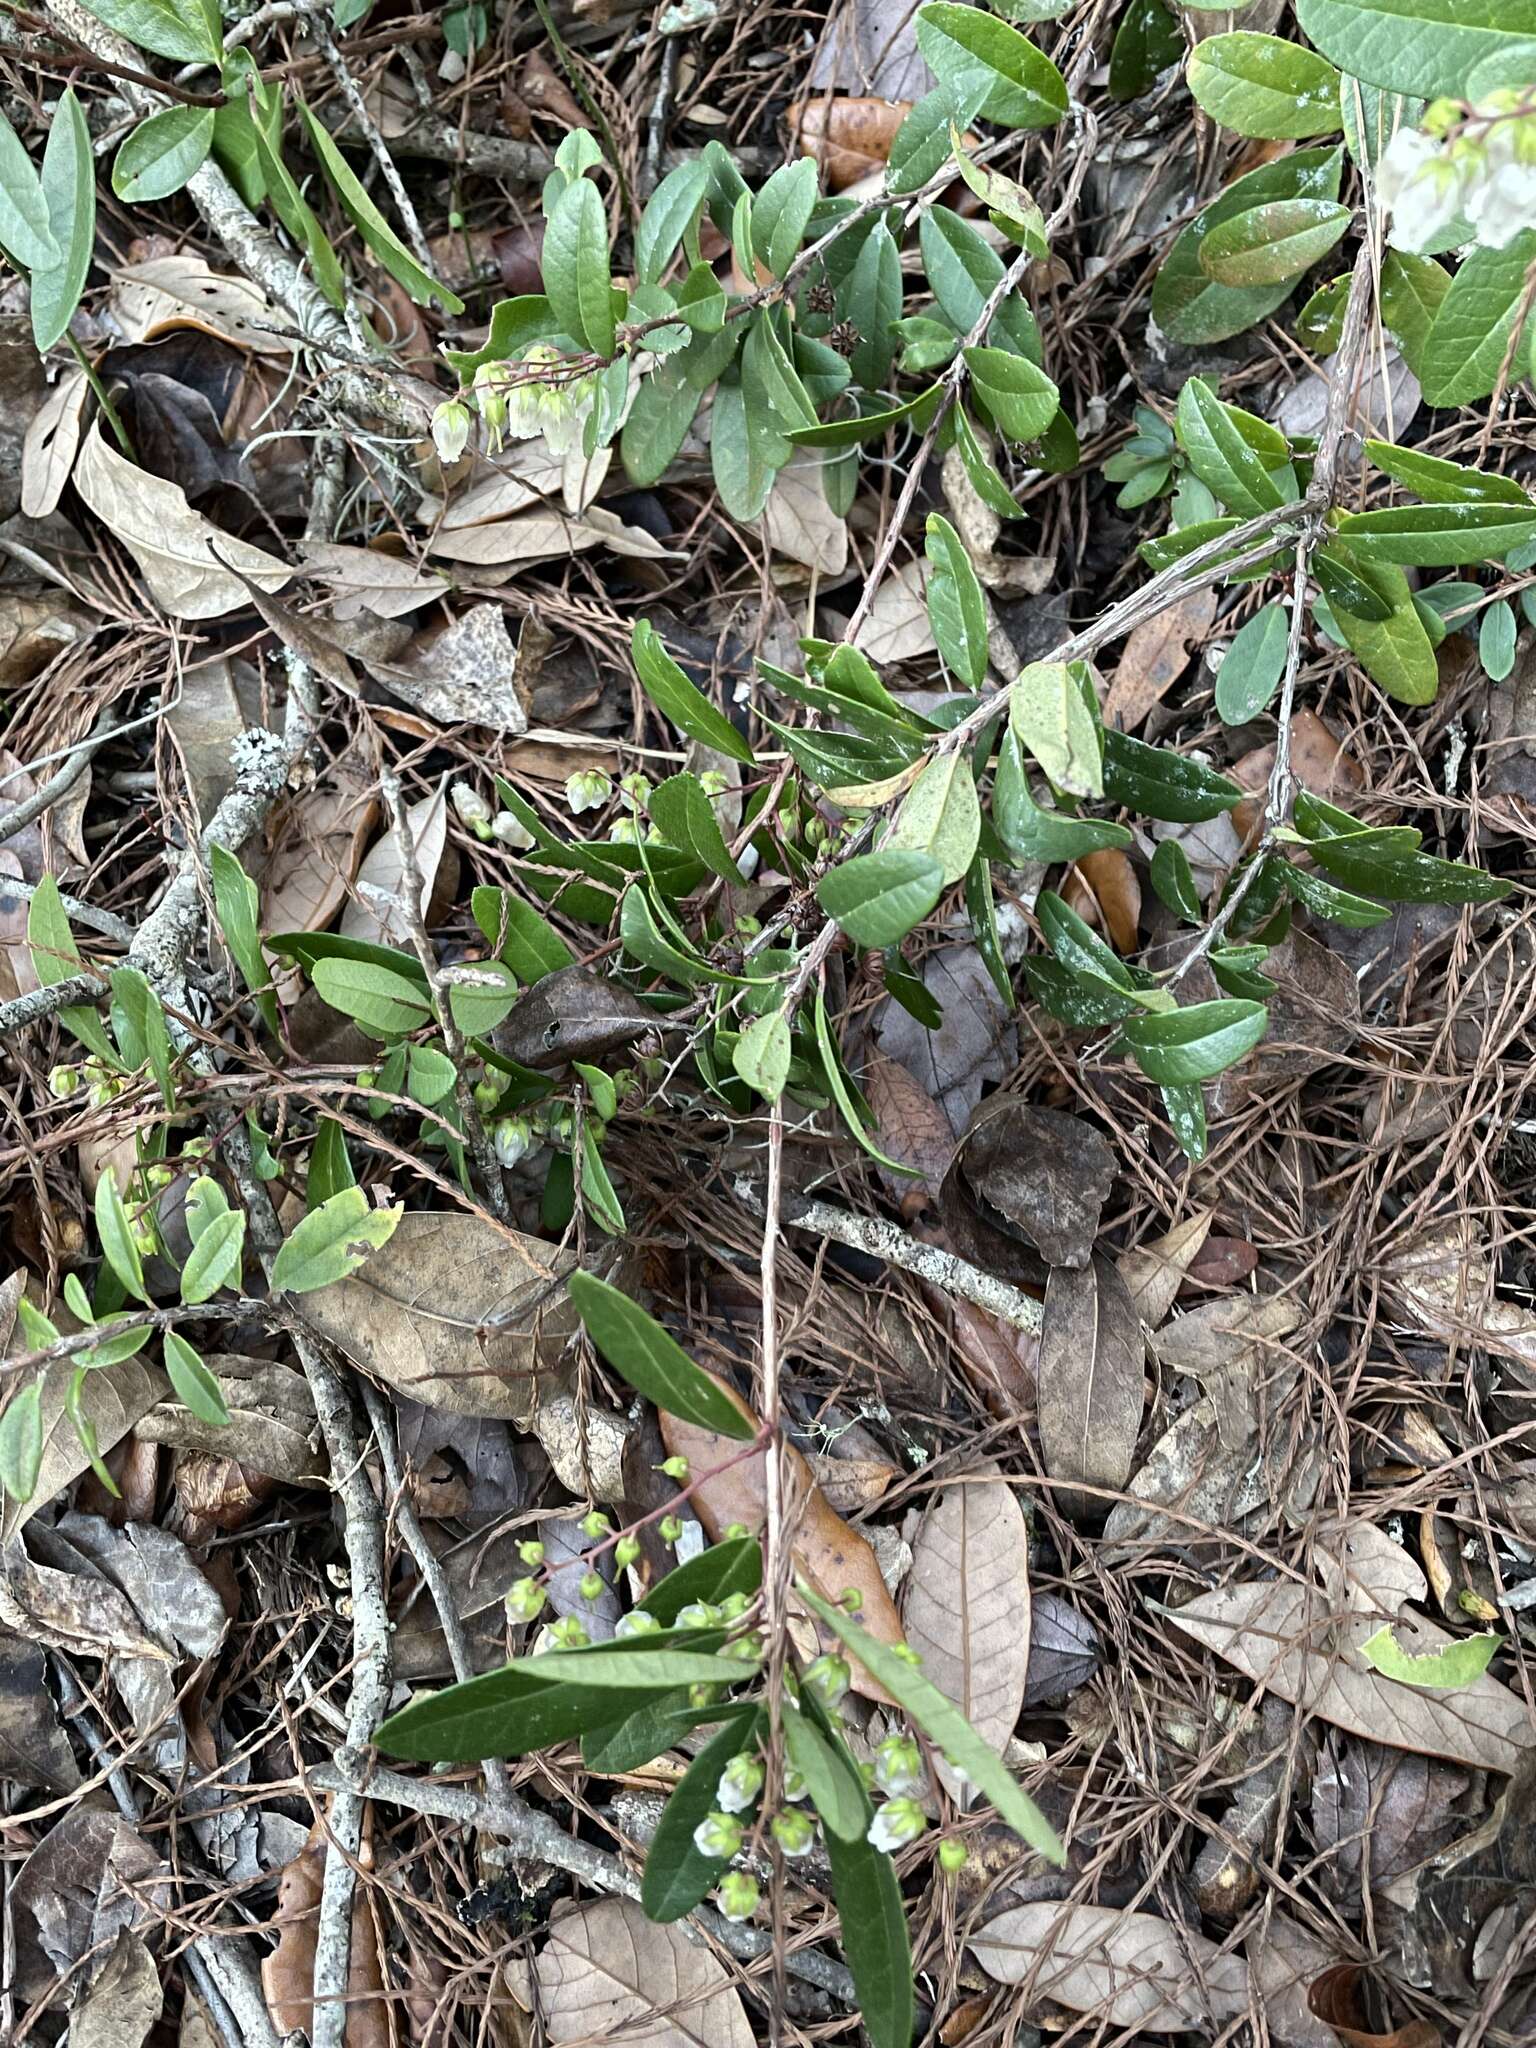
x: 1477, y: 167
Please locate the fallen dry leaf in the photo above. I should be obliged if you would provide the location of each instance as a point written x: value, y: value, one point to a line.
x: 1092, y: 1382
x: 165, y: 293
x: 370, y: 580
x: 913, y: 1129
x: 1063, y: 1650
x: 316, y: 849
x: 1320, y: 761
x: 181, y: 553
x: 51, y: 444
x: 456, y: 1313
x: 123, y: 2002
x: 732, y: 1487
x: 896, y: 626
x: 966, y: 1608
x: 797, y: 520
x: 287, y: 1974
x: 463, y: 673
x: 849, y: 138
x: 376, y: 911
x: 1155, y: 1271
x: 1129, y: 1970
x: 1044, y: 1175
x: 608, y: 1971
x: 1117, y: 894
x: 1293, y: 1639
x: 34, y: 1750
x: 1155, y: 655
x: 975, y: 1044
x: 1336, y: 1999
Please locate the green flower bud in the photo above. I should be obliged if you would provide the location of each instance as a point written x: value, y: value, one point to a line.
x: 63, y: 1081
x: 595, y: 1524
x: 698, y: 1614
x: 952, y: 1855
x: 587, y: 790
x: 671, y: 1529
x: 718, y: 1834
x: 635, y: 789
x: 640, y: 1622
x: 898, y: 1822
x: 531, y: 1553
x: 567, y: 1633
x: 450, y: 429
x: 626, y: 1552
x: 525, y: 1600
x: 738, y: 1895
x: 703, y: 1695
x: 674, y: 1468
x: 591, y: 1586
x: 740, y: 1783
x: 734, y: 1532
x: 794, y: 1832
x: 829, y: 1678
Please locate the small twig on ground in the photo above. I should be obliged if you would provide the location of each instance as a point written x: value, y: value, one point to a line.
x: 410, y: 900
x: 537, y: 1838
x: 884, y: 1240
x: 63, y: 780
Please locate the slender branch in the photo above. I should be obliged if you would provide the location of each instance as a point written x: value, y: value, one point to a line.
x: 63, y: 780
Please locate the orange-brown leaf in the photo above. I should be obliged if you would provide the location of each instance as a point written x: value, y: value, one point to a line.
x: 1156, y: 654
x: 849, y: 138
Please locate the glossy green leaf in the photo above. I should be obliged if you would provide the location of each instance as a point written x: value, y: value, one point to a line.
x: 1395, y: 650
x: 781, y: 212
x: 1020, y: 397
x: 384, y: 1003
x: 1444, y: 483
x: 677, y: 1876
x: 678, y: 701
x: 831, y: 1777
x: 1439, y: 536
x: 377, y: 234
x: 988, y: 68
x: 299, y: 217
x: 192, y: 1383
x: 685, y: 816
x: 523, y: 941
x: 1415, y: 46
x: 734, y: 1566
x: 69, y: 193
x: 1377, y: 863
x: 654, y: 1364
x: 1252, y: 666
x: 115, y: 1230
x: 669, y: 212
x: 981, y: 471
x: 1174, y: 880
x: 1081, y: 951
x: 330, y: 1166
x: 832, y: 1070
x: 1189, y: 305
x: 1161, y: 784
x: 963, y: 272
x: 1274, y: 243
x: 56, y: 957
x: 1194, y: 1044
x: 1496, y: 640
x: 162, y: 153
x: 957, y: 610
x: 133, y: 996
x: 944, y: 1725
x: 865, y: 426
x: 332, y: 1242
x: 1320, y: 323
x: 188, y: 30
x: 1028, y: 830
x: 1258, y: 85
x: 1325, y: 900
x: 1146, y: 42
x: 1470, y: 338
x: 1220, y: 453
x: 877, y: 898
x: 872, y: 1915
x: 237, y: 905
x: 215, y: 1259
x: 1186, y: 1118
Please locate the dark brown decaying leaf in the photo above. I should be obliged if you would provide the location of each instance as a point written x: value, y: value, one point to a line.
x: 316, y: 845
x: 1377, y: 1812
x: 975, y: 1046
x: 966, y: 1607
x: 124, y: 2001
x: 1044, y: 1175
x: 34, y: 1749
x: 606, y: 1969
x: 1063, y: 1650
x: 913, y: 1130
x: 1459, y: 1920
x: 1092, y: 1383
x: 89, y: 1876
x: 1293, y: 1639
x: 1338, y: 1997
x: 1116, y: 895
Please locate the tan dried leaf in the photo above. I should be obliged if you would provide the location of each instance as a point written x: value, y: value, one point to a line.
x: 897, y: 625
x: 1156, y: 654
x: 370, y: 580
x: 1155, y: 1271
x: 849, y: 138
x: 287, y: 1974
x: 797, y: 520
x: 1443, y: 1281
x: 465, y: 673
x: 608, y: 1972
x: 1296, y: 1641
x: 1129, y: 1970
x: 966, y: 1610
x: 179, y: 551
x: 375, y: 912
x: 545, y: 536
x: 271, y: 1429
x: 51, y: 444
x: 455, y: 1312
x: 170, y: 292
x: 317, y: 849
x: 124, y: 2001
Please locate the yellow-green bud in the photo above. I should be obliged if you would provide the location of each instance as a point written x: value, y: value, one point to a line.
x: 952, y: 1855
x: 531, y: 1553
x: 594, y: 1525
x: 674, y: 1468
x: 525, y: 1600
x: 63, y: 1081
x: 591, y: 1587
x: 626, y: 1552
x: 671, y: 1529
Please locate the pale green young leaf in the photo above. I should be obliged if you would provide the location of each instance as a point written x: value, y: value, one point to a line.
x: 598, y: 1195
x: 215, y: 1258
x: 21, y: 1442
x: 941, y: 816
x: 761, y: 1055
x: 25, y: 232
x: 117, y: 1241
x: 162, y: 153
x: 188, y: 30
x: 146, y: 1014
x: 479, y: 1004
x: 237, y: 905
x: 1459, y: 1664
x: 1020, y: 397
x: 385, y: 1004
x: 69, y: 192
x: 575, y: 266
x: 332, y: 1242
x: 55, y: 958
x: 192, y: 1383
x: 1252, y: 666
x: 1047, y: 710
x: 1496, y: 640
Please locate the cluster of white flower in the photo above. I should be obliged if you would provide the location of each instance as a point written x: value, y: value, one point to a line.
x: 1474, y: 167
x: 517, y: 403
